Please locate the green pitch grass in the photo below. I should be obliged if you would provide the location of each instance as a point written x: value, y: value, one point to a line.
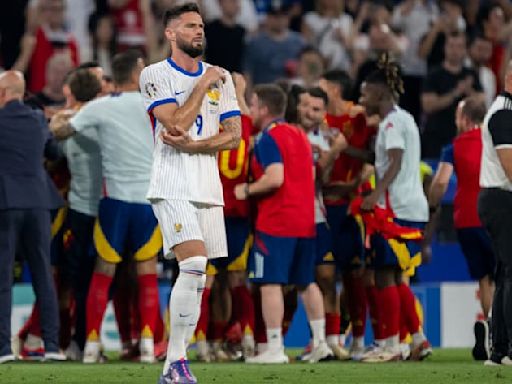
x: 446, y: 366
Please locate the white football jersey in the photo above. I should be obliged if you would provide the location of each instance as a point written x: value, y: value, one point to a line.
x: 177, y: 175
x: 405, y: 194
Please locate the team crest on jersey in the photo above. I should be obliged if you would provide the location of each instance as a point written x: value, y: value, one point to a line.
x: 178, y: 227
x: 213, y: 97
x: 150, y: 89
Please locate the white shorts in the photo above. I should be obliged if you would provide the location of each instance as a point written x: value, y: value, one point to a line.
x: 182, y: 220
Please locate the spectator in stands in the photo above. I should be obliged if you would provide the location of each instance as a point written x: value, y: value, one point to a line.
x: 12, y: 28
x: 479, y: 54
x: 129, y: 23
x: 310, y: 68
x: 492, y: 21
x: 104, y: 40
x: 274, y: 50
x: 414, y: 19
x: 246, y: 15
x: 25, y: 206
x: 330, y: 29
x: 450, y: 20
x: 226, y: 38
x: 51, y: 98
x: 50, y: 37
x: 444, y: 87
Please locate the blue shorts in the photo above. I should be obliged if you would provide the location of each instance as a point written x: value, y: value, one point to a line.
x: 477, y: 249
x: 239, y: 238
x: 405, y: 254
x: 323, y: 243
x: 282, y: 260
x: 347, y: 238
x: 126, y: 229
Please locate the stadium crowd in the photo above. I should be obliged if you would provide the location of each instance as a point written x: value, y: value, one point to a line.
x: 325, y: 196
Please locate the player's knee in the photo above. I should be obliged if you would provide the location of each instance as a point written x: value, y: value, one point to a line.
x: 104, y: 267
x: 146, y: 267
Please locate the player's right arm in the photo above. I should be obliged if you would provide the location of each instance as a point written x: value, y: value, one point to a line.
x: 160, y: 98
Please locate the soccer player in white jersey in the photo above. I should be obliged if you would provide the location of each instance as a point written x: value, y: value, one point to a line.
x: 126, y: 224
x: 188, y: 100
x: 399, y: 190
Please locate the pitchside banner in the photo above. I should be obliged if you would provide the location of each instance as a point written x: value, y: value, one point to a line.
x: 449, y: 311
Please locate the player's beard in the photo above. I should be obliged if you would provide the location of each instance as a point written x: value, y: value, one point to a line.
x: 189, y: 49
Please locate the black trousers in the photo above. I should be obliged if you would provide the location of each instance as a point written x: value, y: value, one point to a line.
x: 28, y: 229
x: 495, y: 211
x: 79, y: 260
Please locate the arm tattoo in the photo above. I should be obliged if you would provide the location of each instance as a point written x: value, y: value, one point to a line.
x: 233, y: 126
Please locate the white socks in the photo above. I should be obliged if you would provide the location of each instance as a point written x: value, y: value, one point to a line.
x: 184, y: 307
x: 418, y: 338
x: 318, y: 330
x: 274, y: 339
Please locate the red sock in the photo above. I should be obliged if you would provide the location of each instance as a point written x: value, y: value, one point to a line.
x: 332, y: 324
x: 372, y: 294
x: 408, y: 307
x: 123, y: 313
x: 97, y: 300
x: 357, y: 303
x: 243, y: 308
x: 390, y: 300
x: 260, y: 331
x: 33, y: 324
x: 204, y: 318
x: 159, y: 327
x: 148, y: 304
x: 217, y: 330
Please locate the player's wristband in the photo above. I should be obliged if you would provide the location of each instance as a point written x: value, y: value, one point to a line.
x: 246, y: 190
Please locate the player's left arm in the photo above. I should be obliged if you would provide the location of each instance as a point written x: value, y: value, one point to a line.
x: 60, y: 126
x: 395, y: 164
x: 231, y: 127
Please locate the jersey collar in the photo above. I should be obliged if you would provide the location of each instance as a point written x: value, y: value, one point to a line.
x: 184, y: 71
x: 273, y: 123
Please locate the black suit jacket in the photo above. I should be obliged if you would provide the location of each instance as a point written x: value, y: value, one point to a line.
x: 24, y: 136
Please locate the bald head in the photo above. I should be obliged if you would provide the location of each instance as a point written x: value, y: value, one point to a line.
x: 12, y: 86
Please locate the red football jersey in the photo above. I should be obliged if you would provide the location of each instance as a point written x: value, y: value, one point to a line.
x: 467, y: 154
x: 290, y: 210
x: 130, y: 26
x: 45, y: 48
x: 358, y: 135
x: 234, y: 169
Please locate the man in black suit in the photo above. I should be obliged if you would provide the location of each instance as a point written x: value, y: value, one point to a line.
x: 26, y: 196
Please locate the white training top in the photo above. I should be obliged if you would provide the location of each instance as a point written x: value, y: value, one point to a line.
x: 405, y: 195
x: 177, y: 175
x: 126, y: 141
x: 83, y: 155
x: 316, y: 138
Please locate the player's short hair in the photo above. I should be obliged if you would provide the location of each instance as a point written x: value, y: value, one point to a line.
x: 272, y: 97
x: 474, y: 109
x: 318, y: 92
x: 123, y: 64
x: 387, y: 74
x: 88, y: 65
x: 84, y: 85
x: 340, y: 78
x: 293, y: 98
x: 176, y: 12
